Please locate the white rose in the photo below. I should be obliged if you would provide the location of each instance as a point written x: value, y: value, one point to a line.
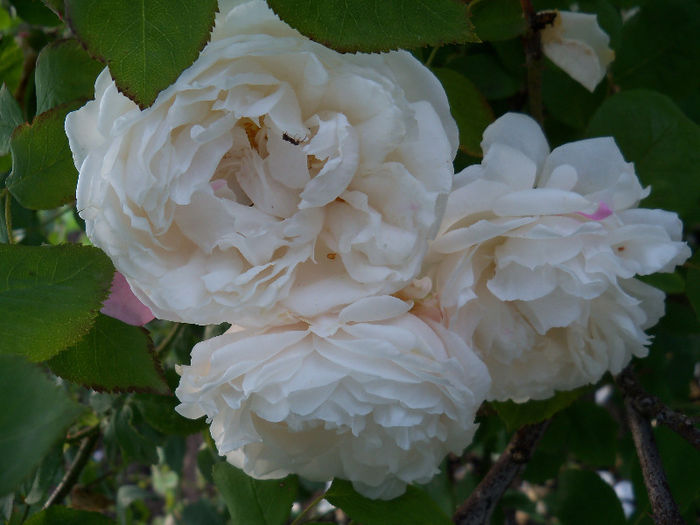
x: 577, y: 44
x: 275, y: 180
x: 375, y: 395
x: 536, y: 258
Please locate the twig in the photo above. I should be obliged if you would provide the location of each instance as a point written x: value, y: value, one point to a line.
x: 663, y: 506
x: 168, y: 338
x: 8, y: 216
x: 652, y: 407
x: 73, y: 472
x: 481, y: 503
x: 80, y: 434
x: 315, y: 500
x: 533, y: 60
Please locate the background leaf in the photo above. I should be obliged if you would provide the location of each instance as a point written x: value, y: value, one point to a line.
x: 112, y: 356
x: 662, y: 142
x: 159, y: 412
x: 10, y: 118
x: 49, y: 296
x: 34, y: 415
x: 253, y: 501
x: 497, y: 19
x: 64, y: 72
x: 164, y: 38
x: 414, y: 506
x: 469, y: 108
x: 43, y: 174
x: 584, y: 498
x: 377, y: 25
x: 65, y: 516
x: 515, y: 415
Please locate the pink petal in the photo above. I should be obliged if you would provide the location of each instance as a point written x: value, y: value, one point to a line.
x: 601, y: 213
x: 122, y: 304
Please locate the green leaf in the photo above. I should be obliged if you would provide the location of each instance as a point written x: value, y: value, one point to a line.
x: 469, y: 108
x: 666, y: 282
x: 43, y: 174
x: 583, y: 498
x: 49, y: 296
x: 159, y: 412
x: 568, y: 101
x: 56, y: 6
x: 660, y: 49
x: 487, y: 74
x: 515, y: 415
x: 378, y: 25
x: 35, y: 414
x: 64, y: 72
x: 662, y: 142
x: 591, y: 434
x: 112, y: 357
x: 10, y: 118
x: 11, y: 60
x: 65, y: 516
x: 252, y: 501
x: 164, y: 38
x: 35, y: 13
x: 693, y: 283
x: 496, y: 20
x: 414, y: 506
x: 135, y: 442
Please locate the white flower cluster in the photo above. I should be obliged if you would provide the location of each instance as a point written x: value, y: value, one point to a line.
x: 297, y: 193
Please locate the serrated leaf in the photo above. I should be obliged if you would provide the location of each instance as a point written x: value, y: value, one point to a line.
x: 43, y: 174
x: 378, y: 25
x: 496, y: 20
x: 414, y: 506
x: 582, y: 497
x: 253, y: 501
x: 10, y: 118
x: 49, y: 296
x: 662, y: 142
x: 34, y: 415
x: 114, y: 357
x: 159, y: 412
x: 660, y: 49
x: 64, y: 72
x: 469, y: 108
x: 515, y: 415
x: 65, y: 516
x: 164, y: 38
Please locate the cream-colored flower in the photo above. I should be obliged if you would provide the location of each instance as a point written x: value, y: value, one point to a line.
x: 275, y: 180
x: 577, y: 44
x: 374, y: 395
x: 536, y: 259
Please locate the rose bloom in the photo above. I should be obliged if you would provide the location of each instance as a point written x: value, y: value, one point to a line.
x: 374, y: 395
x: 535, y: 260
x: 274, y: 180
x: 577, y: 44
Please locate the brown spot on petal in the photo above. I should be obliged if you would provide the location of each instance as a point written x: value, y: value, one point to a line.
x: 332, y: 256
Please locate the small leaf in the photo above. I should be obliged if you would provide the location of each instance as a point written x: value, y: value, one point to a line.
x: 414, y: 506
x: 496, y: 20
x: 35, y: 414
x: 378, y: 25
x: 43, y: 174
x: 114, y: 357
x: 49, y: 296
x: 11, y: 60
x: 662, y: 142
x: 164, y: 38
x: 10, y: 118
x: 35, y: 13
x: 515, y: 415
x: 159, y: 412
x: 64, y: 72
x: 65, y: 516
x: 253, y: 501
x: 56, y: 6
x: 469, y: 108
x: 135, y: 442
x: 582, y: 497
x: 660, y: 49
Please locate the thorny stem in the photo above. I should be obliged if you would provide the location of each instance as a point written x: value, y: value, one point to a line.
x: 73, y: 472
x: 315, y: 501
x: 533, y: 56
x: 481, y: 503
x: 652, y: 407
x: 664, y: 508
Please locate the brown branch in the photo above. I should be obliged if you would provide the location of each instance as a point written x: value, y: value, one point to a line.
x: 663, y: 506
x: 73, y: 472
x: 481, y: 503
x: 533, y: 60
x: 652, y: 407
